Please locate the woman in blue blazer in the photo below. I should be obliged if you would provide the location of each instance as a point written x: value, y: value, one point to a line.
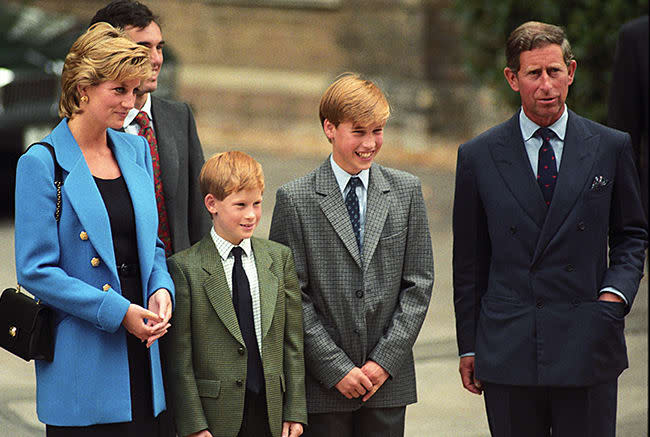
x: 101, y: 265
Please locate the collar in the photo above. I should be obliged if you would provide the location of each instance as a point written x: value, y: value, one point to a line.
x: 342, y: 177
x: 529, y: 127
x: 130, y: 117
x: 224, y: 246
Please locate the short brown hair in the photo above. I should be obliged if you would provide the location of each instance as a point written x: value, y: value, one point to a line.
x: 228, y: 172
x: 352, y: 98
x: 533, y: 35
x: 100, y: 54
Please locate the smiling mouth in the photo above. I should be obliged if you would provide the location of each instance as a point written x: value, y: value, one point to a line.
x: 364, y: 155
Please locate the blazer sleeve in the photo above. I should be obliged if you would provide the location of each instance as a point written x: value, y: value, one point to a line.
x: 295, y: 405
x: 189, y: 413
x: 415, y: 292
x: 37, y: 249
x: 198, y: 219
x: 159, y: 277
x: 628, y: 235
x: 471, y: 254
x: 326, y: 361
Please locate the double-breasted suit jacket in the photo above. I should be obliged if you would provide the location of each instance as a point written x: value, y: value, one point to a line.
x: 527, y: 277
x: 71, y: 267
x: 358, y: 307
x: 205, y: 352
x: 181, y: 159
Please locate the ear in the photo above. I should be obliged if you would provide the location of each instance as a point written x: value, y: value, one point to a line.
x: 82, y: 90
x: 512, y: 79
x: 572, y: 70
x: 329, y: 129
x: 211, y: 203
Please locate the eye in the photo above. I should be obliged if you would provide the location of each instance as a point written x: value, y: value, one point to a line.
x: 119, y: 90
x: 379, y: 131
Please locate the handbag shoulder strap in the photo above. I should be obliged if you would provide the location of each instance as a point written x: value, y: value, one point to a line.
x: 58, y: 178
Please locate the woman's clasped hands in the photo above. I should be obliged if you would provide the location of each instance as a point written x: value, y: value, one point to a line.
x: 150, y: 324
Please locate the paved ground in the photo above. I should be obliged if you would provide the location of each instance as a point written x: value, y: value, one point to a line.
x: 444, y: 408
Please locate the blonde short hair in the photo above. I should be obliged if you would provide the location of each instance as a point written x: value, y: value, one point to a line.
x: 100, y: 54
x: 229, y: 172
x: 351, y: 98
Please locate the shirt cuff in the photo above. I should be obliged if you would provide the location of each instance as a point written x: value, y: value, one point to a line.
x: 615, y: 291
x: 468, y: 354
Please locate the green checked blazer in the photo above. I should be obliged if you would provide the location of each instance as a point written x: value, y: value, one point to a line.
x: 205, y: 351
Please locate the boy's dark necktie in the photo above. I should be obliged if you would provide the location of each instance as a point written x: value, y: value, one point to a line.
x: 352, y: 205
x: 241, y: 299
x: 546, y: 165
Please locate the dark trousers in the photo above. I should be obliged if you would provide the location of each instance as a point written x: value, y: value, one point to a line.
x: 365, y: 422
x: 515, y: 411
x: 256, y: 418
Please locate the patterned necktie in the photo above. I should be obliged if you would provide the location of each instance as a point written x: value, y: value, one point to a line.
x: 241, y: 299
x: 163, y: 224
x: 352, y: 204
x: 546, y: 165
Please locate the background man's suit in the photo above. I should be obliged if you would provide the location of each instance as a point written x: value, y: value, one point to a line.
x: 181, y: 159
x: 628, y: 95
x: 355, y: 310
x: 206, y: 363
x: 526, y: 280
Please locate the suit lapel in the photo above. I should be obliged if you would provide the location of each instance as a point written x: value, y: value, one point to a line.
x: 268, y: 285
x: 167, y: 148
x: 216, y: 287
x: 377, y: 210
x: 511, y: 160
x: 81, y: 191
x: 334, y: 209
x: 578, y: 158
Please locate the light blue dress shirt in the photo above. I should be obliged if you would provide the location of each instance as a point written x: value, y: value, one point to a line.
x: 342, y: 178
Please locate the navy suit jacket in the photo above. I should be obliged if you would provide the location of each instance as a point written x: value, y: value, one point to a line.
x: 88, y: 380
x: 527, y: 277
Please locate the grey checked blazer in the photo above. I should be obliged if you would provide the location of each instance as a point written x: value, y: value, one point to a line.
x: 358, y: 308
x: 181, y: 159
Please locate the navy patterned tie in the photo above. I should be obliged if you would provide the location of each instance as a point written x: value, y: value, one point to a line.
x: 241, y: 299
x: 546, y: 165
x: 352, y: 204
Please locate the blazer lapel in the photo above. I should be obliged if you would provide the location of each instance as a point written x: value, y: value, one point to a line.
x: 167, y: 148
x: 578, y: 158
x: 334, y: 209
x: 216, y: 288
x: 511, y: 160
x: 268, y: 285
x: 140, y: 186
x: 378, y: 205
x: 81, y: 191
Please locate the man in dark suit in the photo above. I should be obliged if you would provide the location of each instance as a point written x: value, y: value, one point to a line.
x: 628, y: 94
x: 173, y: 136
x: 539, y: 201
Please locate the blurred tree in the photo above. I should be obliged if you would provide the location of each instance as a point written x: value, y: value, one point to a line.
x: 591, y: 26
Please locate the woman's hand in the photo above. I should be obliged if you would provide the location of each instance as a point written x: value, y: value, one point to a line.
x: 291, y: 429
x: 137, y: 319
x: 161, y: 303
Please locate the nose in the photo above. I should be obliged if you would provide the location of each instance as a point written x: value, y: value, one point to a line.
x: 156, y: 56
x: 129, y: 100
x: 369, y: 141
x: 545, y: 81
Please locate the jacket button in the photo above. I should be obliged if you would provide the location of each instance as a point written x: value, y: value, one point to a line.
x: 581, y: 226
x: 356, y: 331
x: 539, y: 303
x: 575, y: 302
x: 569, y: 268
x: 239, y: 383
x: 83, y: 235
x: 241, y: 350
x: 95, y: 262
x: 513, y: 229
x: 359, y: 293
x: 106, y: 287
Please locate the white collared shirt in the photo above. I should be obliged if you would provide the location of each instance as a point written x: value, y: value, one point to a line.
x: 533, y: 143
x: 342, y: 178
x: 130, y: 125
x: 224, y: 248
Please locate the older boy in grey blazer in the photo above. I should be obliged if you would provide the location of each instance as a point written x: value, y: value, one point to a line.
x: 361, y: 244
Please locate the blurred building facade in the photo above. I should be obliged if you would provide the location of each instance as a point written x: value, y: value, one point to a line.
x: 254, y: 70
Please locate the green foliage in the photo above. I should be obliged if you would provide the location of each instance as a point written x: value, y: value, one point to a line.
x: 592, y: 28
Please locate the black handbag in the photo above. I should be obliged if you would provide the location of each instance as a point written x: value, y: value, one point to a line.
x: 26, y: 328
x: 26, y: 325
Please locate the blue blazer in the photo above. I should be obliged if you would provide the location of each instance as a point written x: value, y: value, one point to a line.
x: 88, y: 380
x: 527, y: 278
